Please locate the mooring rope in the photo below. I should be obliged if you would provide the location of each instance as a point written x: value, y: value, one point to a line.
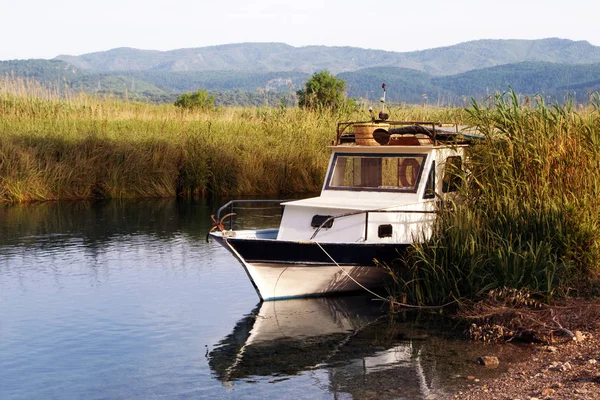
x: 348, y: 275
x: 375, y: 294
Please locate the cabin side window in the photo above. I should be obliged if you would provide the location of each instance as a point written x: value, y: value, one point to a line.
x: 430, y: 185
x: 377, y: 172
x: 452, y: 174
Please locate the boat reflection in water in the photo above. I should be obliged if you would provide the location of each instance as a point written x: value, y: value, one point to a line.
x: 363, y: 353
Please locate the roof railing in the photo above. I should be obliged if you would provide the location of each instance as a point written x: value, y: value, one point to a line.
x: 432, y: 129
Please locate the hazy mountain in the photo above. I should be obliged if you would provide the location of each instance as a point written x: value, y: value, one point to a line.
x: 246, y: 73
x: 403, y: 84
x: 222, y: 80
x: 40, y: 70
x: 269, y: 57
x: 528, y: 78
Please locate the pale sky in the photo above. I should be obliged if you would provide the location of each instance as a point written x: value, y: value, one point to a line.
x: 48, y: 28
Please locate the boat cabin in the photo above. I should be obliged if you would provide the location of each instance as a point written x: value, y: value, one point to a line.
x: 383, y: 184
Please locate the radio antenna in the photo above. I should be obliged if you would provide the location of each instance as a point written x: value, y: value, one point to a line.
x: 382, y: 115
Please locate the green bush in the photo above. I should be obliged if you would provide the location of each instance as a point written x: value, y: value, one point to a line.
x: 199, y: 100
x: 323, y: 90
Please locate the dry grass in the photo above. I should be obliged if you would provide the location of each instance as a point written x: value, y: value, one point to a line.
x: 62, y: 145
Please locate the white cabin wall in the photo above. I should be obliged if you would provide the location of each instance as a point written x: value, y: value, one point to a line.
x: 296, y: 225
x: 406, y: 227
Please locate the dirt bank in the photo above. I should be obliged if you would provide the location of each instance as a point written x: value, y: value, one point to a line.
x: 565, y: 368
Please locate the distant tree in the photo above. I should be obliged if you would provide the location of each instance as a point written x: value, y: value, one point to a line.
x: 200, y: 99
x: 322, y: 90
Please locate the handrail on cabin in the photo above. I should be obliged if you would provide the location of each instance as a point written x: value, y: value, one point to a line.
x: 230, y: 204
x: 342, y: 126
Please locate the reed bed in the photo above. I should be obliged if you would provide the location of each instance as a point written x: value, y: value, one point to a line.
x: 529, y: 218
x: 60, y: 145
x: 98, y: 151
x: 83, y: 148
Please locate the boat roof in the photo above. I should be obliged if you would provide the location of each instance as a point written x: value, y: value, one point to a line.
x: 358, y: 203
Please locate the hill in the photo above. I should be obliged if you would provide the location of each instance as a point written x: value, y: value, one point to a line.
x: 40, y: 70
x: 221, y: 80
x: 405, y: 85
x: 230, y: 87
x: 161, y: 76
x: 271, y: 57
x: 554, y: 81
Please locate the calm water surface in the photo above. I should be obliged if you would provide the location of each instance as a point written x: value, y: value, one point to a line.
x: 123, y: 300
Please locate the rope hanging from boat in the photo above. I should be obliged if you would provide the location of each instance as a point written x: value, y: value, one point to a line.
x: 348, y: 275
x: 218, y: 225
x: 375, y: 294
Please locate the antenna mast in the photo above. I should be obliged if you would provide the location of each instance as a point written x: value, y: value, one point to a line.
x: 382, y: 115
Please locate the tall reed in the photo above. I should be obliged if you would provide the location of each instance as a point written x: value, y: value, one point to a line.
x: 530, y: 217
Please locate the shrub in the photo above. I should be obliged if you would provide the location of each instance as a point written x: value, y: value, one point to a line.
x: 323, y: 90
x: 200, y: 100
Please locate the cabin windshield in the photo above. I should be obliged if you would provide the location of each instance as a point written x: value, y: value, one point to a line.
x: 376, y: 172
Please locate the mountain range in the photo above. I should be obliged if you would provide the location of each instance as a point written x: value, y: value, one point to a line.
x: 250, y: 72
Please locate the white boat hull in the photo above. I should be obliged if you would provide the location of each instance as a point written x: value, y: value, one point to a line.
x: 284, y: 281
x: 284, y: 269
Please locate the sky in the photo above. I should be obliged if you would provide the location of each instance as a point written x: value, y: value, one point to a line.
x: 46, y: 29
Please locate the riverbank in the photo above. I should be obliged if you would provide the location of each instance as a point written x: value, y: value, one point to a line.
x: 564, y: 368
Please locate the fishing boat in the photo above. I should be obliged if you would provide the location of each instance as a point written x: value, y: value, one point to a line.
x: 384, y: 185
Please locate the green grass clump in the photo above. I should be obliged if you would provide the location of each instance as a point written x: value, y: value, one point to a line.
x: 531, y: 211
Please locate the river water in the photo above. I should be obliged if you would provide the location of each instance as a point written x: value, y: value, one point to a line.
x: 127, y: 300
